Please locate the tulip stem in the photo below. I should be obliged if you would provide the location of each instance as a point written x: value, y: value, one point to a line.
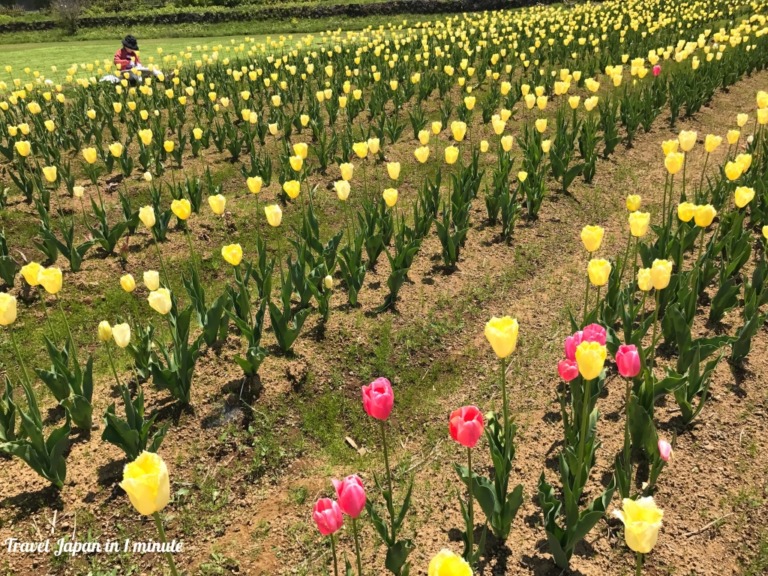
x: 701, y: 182
x: 161, y: 533
x: 69, y: 330
x: 112, y: 364
x: 586, y: 302
x: 624, y: 261
x: 162, y: 264
x: 470, y: 509
x: 18, y: 357
x: 639, y: 565
x: 189, y: 243
x: 333, y: 551
x: 653, y: 337
x: 627, y: 455
x: 585, y: 401
x: 47, y: 317
x: 389, y: 480
x: 357, y: 547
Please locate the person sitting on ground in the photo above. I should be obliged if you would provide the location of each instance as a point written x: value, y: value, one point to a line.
x: 127, y: 57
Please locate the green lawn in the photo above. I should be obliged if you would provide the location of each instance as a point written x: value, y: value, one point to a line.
x: 62, y: 55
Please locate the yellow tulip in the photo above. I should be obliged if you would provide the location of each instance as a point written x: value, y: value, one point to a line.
x: 541, y: 102
x: 687, y: 139
x: 197, y: 133
x: 522, y: 176
x: 670, y: 146
x: 741, y: 120
x: 50, y: 173
x: 712, y: 143
x: 301, y: 149
x: 458, y: 130
x: 469, y: 102
x: 437, y: 127
x: 151, y: 280
x: 181, y: 208
x: 592, y: 237
x: 423, y: 137
x: 8, y: 310
x: 633, y: 202
x: 674, y: 162
x: 638, y: 223
x: 296, y: 163
x: 147, y: 216
x: 23, y: 148
x: 361, y: 149
x: 147, y: 484
x: 274, y: 215
x: 686, y: 211
x: 121, y: 334
x: 145, y: 136
x: 744, y: 161
x: 501, y: 333
x: 127, y: 283
x: 254, y: 184
x: 422, y: 154
x: 733, y: 171
x: 232, y: 254
x: 498, y: 125
x: 50, y: 125
x: 704, y: 215
x: 218, y: 204
x: 393, y: 170
x: 30, y: 272
x: 451, y: 154
x: 762, y: 99
x: 50, y: 279
x: 160, y: 300
x: 573, y: 102
x: 90, y: 155
x: 599, y: 270
x: 446, y: 563
x: 343, y: 189
x: 546, y: 145
x: 661, y: 272
x: 642, y: 522
x: 276, y: 100
x: 347, y: 170
x: 105, y: 331
x: 644, y: 279
x: 541, y: 125
x: 762, y: 116
x: 484, y: 146
x: 765, y: 231
x: 169, y: 146
x: 373, y: 145
x: 292, y: 188
x: 591, y: 103
x: 732, y: 136
x: 116, y: 149
x: 34, y: 108
x: 743, y: 196
x: 590, y: 359
x: 390, y: 197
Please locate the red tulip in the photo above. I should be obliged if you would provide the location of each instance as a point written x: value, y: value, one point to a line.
x: 568, y: 369
x: 466, y: 425
x: 571, y: 343
x: 327, y: 516
x: 351, y: 495
x: 378, y: 399
x: 665, y: 450
x: 657, y: 70
x: 628, y: 360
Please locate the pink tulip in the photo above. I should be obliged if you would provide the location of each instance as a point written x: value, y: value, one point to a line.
x: 657, y: 70
x: 571, y: 343
x: 327, y: 516
x: 594, y: 333
x: 568, y: 369
x: 351, y: 495
x: 378, y: 399
x: 665, y: 450
x: 466, y: 425
x: 628, y: 360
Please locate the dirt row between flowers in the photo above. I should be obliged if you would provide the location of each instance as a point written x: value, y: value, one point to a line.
x: 234, y: 520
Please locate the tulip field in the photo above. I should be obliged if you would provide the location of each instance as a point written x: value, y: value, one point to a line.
x: 483, y: 294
